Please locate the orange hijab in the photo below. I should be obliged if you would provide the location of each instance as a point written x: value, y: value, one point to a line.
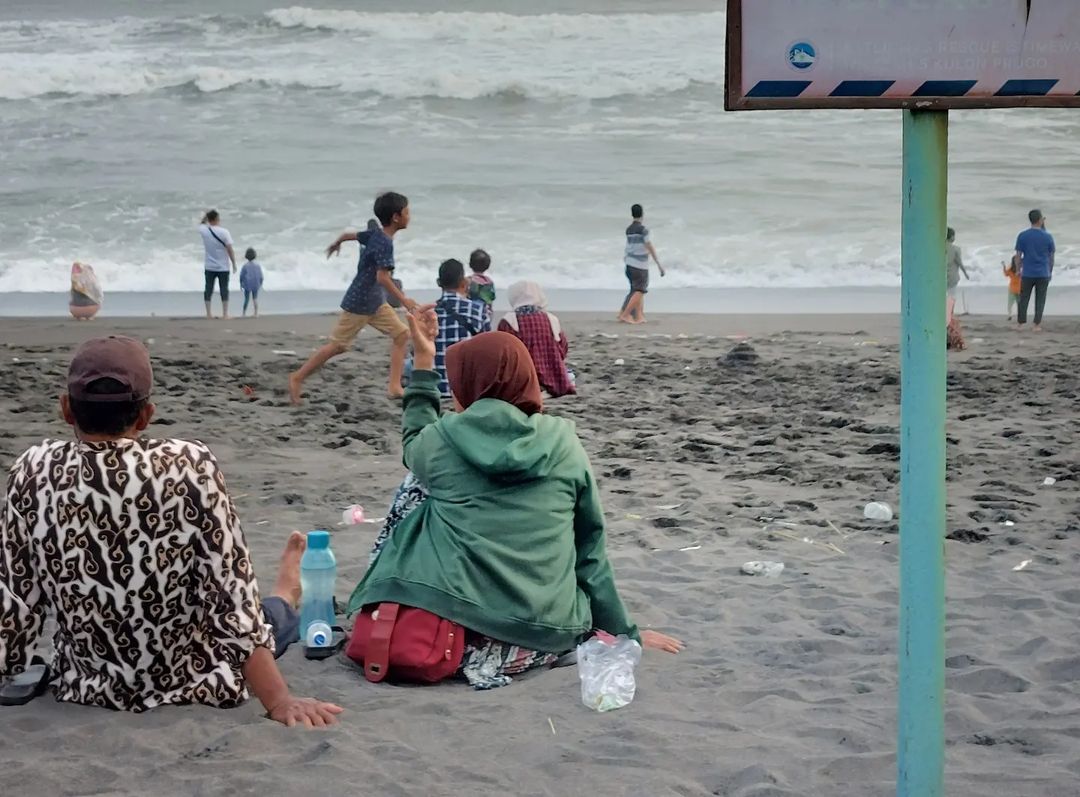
x: 494, y: 365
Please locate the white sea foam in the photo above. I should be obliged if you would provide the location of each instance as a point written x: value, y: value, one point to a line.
x: 462, y: 55
x: 126, y: 127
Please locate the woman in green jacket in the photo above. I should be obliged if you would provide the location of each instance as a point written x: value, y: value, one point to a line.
x: 510, y: 542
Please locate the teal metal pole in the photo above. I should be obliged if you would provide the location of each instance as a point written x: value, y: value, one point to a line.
x: 921, y: 737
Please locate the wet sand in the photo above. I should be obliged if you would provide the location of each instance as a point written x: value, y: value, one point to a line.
x: 788, y: 686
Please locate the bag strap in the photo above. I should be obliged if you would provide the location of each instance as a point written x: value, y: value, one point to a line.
x: 377, y: 659
x: 462, y: 320
x: 211, y: 231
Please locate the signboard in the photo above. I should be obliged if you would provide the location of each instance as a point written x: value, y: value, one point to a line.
x: 916, y: 54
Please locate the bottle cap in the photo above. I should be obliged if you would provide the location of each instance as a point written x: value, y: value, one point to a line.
x: 318, y: 540
x: 319, y: 635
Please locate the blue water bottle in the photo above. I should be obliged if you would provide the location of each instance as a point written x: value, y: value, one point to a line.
x: 318, y: 572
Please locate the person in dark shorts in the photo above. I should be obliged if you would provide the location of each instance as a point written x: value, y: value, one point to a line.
x: 218, y: 247
x: 639, y: 249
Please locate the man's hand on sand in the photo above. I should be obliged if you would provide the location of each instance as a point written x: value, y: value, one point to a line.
x: 654, y: 640
x: 305, y: 711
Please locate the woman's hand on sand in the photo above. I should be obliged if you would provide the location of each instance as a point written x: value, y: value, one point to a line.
x: 305, y: 711
x: 424, y: 325
x: 654, y: 640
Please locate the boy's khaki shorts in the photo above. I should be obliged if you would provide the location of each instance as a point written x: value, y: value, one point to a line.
x: 349, y: 325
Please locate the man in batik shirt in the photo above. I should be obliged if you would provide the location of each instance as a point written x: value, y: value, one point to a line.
x: 135, y: 546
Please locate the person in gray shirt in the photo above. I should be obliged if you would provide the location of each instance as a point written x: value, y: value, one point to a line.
x: 639, y: 249
x: 954, y: 263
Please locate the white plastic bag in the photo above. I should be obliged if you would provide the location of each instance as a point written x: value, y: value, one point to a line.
x: 607, y: 672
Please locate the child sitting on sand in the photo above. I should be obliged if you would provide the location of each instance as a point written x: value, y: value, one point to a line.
x: 251, y: 280
x: 1012, y: 271
x: 481, y: 286
x: 135, y: 547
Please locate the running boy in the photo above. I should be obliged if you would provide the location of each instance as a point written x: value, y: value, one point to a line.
x: 638, y: 251
x: 481, y: 287
x: 251, y: 280
x: 365, y: 302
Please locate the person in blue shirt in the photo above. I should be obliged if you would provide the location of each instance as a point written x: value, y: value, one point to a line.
x: 1035, y: 250
x: 251, y: 280
x: 366, y: 301
x: 460, y: 317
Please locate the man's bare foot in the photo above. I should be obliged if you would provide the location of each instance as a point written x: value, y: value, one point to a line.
x: 294, y: 390
x: 1036, y: 328
x: 625, y: 320
x: 287, y: 586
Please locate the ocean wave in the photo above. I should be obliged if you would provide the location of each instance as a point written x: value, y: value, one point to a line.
x: 592, y: 267
x: 70, y: 80
x: 459, y: 56
x: 480, y: 26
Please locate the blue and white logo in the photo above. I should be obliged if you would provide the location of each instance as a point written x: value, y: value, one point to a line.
x: 801, y: 56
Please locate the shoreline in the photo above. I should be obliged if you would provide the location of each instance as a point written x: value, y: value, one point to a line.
x: 1064, y: 301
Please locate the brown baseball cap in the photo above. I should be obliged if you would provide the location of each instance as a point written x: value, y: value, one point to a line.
x: 124, y: 359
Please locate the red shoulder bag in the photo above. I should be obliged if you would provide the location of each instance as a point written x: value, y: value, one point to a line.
x: 405, y: 644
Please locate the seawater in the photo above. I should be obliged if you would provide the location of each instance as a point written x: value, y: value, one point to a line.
x: 527, y: 134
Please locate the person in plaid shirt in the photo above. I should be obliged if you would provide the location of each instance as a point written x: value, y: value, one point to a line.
x: 459, y: 316
x: 542, y: 335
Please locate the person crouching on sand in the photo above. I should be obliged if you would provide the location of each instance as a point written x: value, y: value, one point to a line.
x: 151, y: 585
x: 514, y: 488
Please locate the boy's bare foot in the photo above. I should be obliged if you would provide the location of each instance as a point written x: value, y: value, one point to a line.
x: 294, y: 390
x: 625, y: 320
x: 287, y: 586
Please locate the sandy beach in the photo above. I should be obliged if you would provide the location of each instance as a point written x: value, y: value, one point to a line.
x: 787, y: 687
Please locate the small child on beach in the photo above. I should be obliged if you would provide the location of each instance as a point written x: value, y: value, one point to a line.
x: 1012, y: 271
x: 481, y: 287
x: 251, y: 280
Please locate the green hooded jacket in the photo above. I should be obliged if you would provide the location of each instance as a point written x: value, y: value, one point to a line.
x: 510, y: 543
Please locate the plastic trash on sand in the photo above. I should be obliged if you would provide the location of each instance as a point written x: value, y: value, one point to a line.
x: 765, y: 569
x: 607, y: 672
x: 1049, y: 481
x: 352, y: 515
x: 877, y: 510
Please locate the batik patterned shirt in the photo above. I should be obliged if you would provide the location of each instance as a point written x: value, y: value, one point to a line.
x: 136, y: 549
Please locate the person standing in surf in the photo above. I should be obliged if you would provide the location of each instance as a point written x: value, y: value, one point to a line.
x: 1035, y: 248
x: 218, y: 247
x: 636, y: 259
x: 954, y: 263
